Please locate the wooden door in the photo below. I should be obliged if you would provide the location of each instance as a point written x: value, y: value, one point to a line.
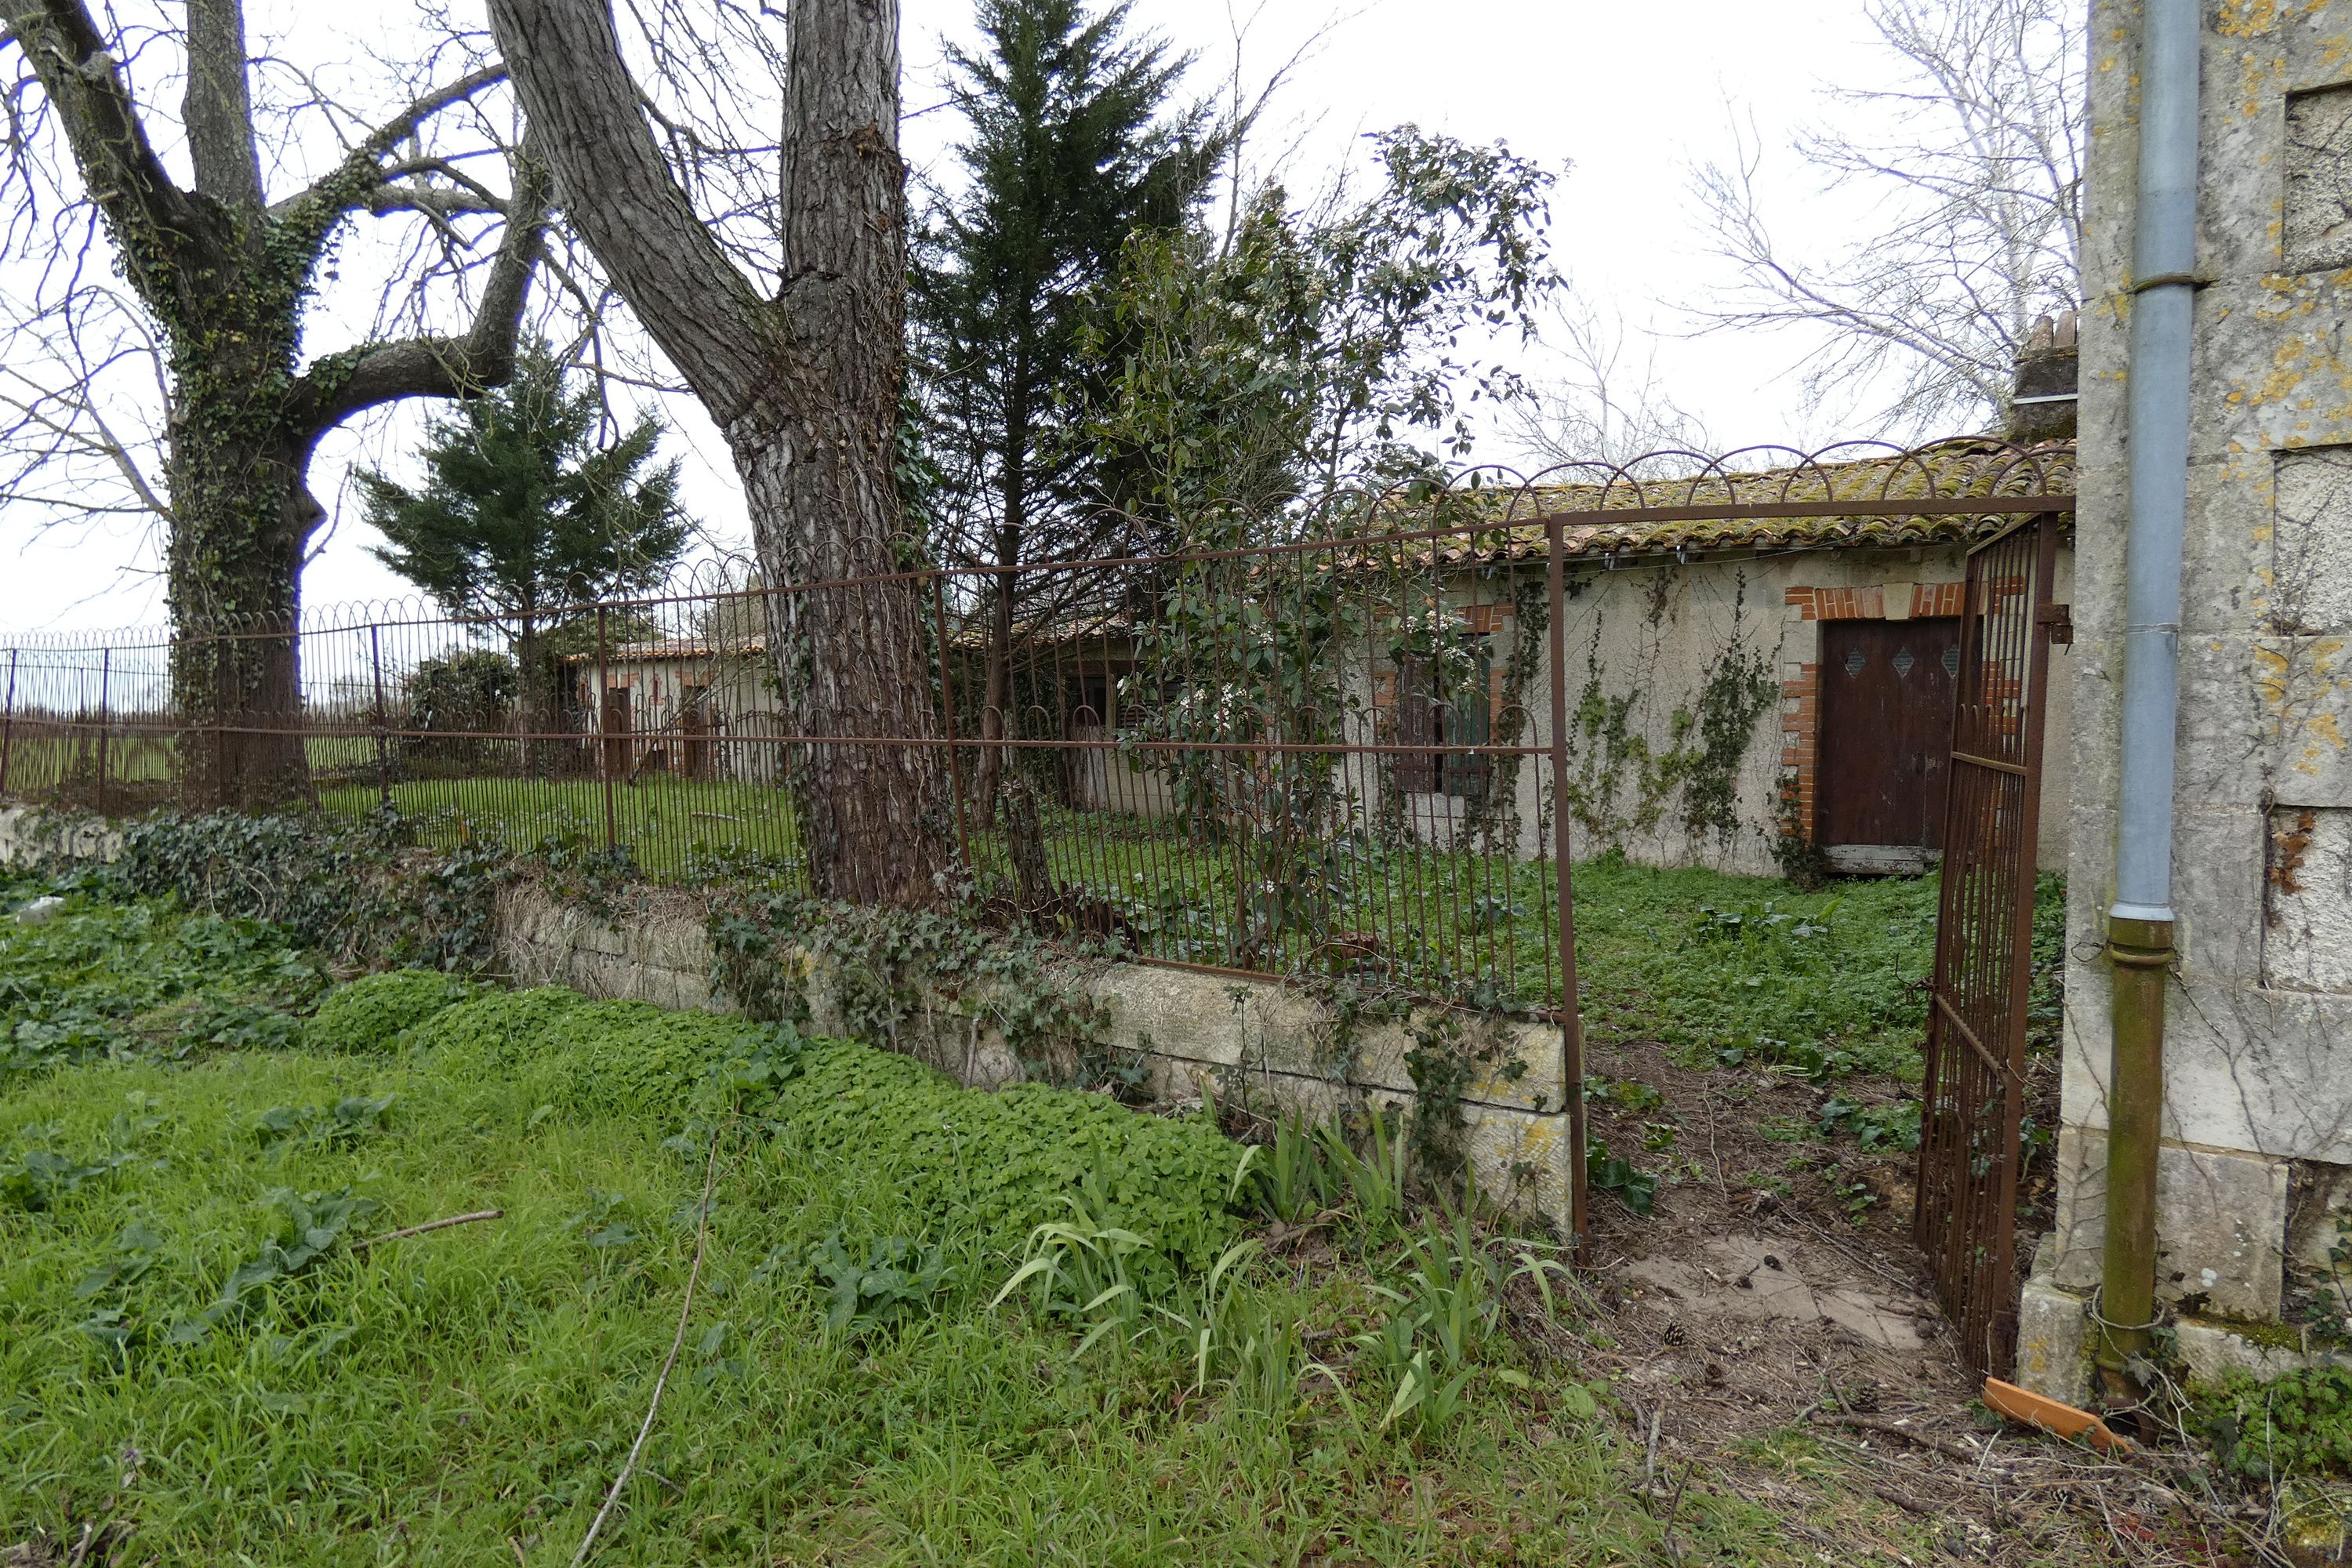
x: 1887, y: 731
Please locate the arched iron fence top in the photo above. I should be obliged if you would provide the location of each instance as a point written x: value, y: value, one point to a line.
x: 1850, y: 493
x: 1765, y: 496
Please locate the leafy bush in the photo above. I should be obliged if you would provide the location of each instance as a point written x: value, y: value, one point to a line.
x: 499, y: 1031
x: 2299, y: 1423
x: 1890, y: 1128
x: 113, y: 979
x: 368, y: 1015
x: 624, y: 1063
x: 898, y: 1279
x: 350, y: 1120
x: 361, y: 891
x: 33, y: 1180
x: 998, y: 1164
x: 470, y: 692
x: 309, y: 876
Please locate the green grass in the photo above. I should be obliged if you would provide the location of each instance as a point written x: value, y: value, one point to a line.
x: 467, y: 1395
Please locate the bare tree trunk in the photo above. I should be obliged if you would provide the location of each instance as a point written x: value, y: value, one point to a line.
x: 806, y: 388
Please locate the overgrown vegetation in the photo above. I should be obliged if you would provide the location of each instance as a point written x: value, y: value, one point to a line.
x: 97, y: 979
x: 180, y: 1272
x: 2297, y: 1422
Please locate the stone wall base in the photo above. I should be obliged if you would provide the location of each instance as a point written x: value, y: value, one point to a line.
x: 1192, y: 1034
x: 2056, y: 1342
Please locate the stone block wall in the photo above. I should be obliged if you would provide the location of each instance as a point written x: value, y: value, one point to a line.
x: 2258, y: 1093
x: 1194, y: 1034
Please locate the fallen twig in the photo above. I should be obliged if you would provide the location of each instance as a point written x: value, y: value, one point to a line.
x: 1903, y: 1500
x: 677, y: 1341
x: 1945, y: 1447
x: 1666, y: 1541
x: 363, y: 1243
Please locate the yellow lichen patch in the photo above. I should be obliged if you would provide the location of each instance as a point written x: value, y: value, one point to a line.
x: 2246, y: 18
x: 2270, y: 677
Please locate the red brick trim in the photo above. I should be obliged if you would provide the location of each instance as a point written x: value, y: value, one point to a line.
x: 1929, y: 600
x: 1800, y: 737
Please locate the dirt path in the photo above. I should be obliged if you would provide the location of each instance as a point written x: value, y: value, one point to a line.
x: 1775, y: 1335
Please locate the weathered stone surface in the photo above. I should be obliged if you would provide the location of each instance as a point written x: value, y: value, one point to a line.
x: 2308, y: 911
x: 2255, y: 1072
x: 2221, y: 1224
x: 2054, y: 1343
x: 27, y: 834
x: 2212, y: 1351
x: 2318, y: 179
x: 1198, y: 1034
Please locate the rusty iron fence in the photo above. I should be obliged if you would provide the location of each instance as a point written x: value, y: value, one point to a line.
x: 1973, y: 1099
x: 1337, y: 746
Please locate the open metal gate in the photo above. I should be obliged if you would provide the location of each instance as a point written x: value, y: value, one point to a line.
x: 1974, y: 1097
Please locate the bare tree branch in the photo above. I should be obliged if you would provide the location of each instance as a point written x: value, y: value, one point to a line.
x: 360, y: 171
x: 1975, y: 192
x: 698, y: 307
x: 1600, y: 407
x: 84, y: 84
x: 444, y: 366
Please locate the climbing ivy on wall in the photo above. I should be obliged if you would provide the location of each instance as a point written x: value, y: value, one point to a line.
x: 1621, y: 781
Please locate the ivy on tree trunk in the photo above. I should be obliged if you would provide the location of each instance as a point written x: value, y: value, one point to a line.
x: 225, y: 272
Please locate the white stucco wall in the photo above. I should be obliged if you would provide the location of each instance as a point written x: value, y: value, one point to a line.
x: 1653, y: 632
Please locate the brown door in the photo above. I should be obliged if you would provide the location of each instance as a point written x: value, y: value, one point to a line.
x: 1886, y: 730
x: 694, y: 724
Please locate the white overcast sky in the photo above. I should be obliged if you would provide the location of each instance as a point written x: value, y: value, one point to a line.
x: 1622, y: 99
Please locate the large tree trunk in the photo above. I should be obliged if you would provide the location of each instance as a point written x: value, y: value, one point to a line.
x: 241, y: 515
x: 806, y: 388
x: 852, y: 637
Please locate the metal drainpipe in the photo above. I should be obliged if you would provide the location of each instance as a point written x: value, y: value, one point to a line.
x: 2139, y: 924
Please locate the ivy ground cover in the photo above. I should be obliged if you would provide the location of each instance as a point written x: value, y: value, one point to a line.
x: 200, y: 1360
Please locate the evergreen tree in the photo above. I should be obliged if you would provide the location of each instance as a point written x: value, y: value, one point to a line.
x: 1075, y: 144
x: 524, y: 517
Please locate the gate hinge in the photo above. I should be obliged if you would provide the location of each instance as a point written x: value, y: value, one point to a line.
x: 2058, y: 622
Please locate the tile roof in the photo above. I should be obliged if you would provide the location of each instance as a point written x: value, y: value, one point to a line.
x: 1946, y: 473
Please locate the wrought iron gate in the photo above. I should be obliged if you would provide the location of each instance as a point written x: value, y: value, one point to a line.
x: 1974, y: 1087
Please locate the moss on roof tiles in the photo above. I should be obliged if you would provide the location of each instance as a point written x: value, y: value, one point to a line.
x: 1949, y: 470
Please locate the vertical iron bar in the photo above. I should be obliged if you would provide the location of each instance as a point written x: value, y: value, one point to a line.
x: 946, y: 718
x: 603, y: 718
x: 105, y: 693
x: 383, y: 740
x: 8, y: 722
x: 1571, y: 1024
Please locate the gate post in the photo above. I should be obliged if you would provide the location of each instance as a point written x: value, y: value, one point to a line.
x: 1571, y: 1021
